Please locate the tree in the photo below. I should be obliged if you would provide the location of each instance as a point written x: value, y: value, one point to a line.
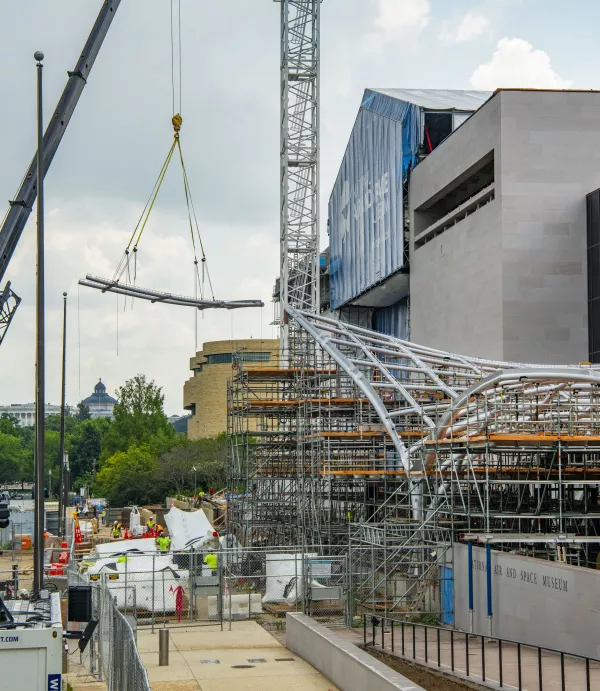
x: 129, y: 477
x: 53, y: 423
x: 11, y: 454
x: 9, y: 425
x: 83, y: 412
x: 208, y: 456
x: 84, y: 447
x: 138, y: 417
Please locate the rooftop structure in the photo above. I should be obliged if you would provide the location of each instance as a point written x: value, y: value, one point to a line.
x: 24, y: 413
x: 100, y: 403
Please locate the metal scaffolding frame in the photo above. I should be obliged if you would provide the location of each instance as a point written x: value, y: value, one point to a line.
x: 365, y: 439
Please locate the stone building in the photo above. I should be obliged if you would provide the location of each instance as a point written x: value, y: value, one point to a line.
x: 100, y: 403
x: 205, y: 394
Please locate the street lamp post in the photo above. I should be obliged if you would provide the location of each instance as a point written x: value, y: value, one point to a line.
x: 195, y: 479
x: 40, y: 393
x: 61, y: 453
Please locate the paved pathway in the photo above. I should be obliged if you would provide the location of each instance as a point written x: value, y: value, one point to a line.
x: 192, y: 649
x: 453, y: 654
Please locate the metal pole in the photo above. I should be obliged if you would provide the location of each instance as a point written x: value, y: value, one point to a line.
x: 61, y: 453
x: 470, y: 559
x: 40, y: 393
x: 163, y: 648
x: 490, y: 613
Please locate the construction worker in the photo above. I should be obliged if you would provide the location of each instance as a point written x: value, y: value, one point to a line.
x: 116, y: 530
x: 151, y: 524
x: 163, y: 542
x: 103, y: 516
x: 210, y: 561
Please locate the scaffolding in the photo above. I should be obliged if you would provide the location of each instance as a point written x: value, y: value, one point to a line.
x: 397, y: 450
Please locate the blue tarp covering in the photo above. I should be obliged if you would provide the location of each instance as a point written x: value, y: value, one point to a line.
x: 392, y: 320
x: 408, y: 114
x: 365, y: 208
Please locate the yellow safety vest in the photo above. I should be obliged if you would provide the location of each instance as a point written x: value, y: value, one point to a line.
x: 163, y: 543
x: 211, y: 561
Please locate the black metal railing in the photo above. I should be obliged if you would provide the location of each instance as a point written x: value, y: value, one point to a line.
x: 401, y: 637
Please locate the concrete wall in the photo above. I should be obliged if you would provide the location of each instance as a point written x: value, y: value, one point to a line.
x: 533, y: 601
x: 549, y: 143
x: 456, y: 278
x: 207, y: 390
x: 509, y: 281
x: 348, y: 667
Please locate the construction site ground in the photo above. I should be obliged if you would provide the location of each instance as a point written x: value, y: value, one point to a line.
x: 245, y: 657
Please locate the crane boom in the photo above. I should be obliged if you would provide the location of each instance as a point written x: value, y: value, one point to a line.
x: 21, y: 206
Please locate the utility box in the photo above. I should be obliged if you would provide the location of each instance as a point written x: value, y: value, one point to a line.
x: 31, y: 656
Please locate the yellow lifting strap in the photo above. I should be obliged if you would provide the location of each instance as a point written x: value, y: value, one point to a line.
x: 177, y: 121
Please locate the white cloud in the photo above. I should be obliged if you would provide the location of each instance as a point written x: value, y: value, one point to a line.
x: 469, y: 28
x: 515, y: 63
x: 396, y: 16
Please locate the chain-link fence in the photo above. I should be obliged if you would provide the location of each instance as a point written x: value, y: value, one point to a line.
x: 111, y: 655
x: 119, y: 662
x: 264, y: 584
x: 335, y: 585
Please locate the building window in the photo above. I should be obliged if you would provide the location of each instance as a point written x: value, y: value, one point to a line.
x: 224, y: 358
x: 256, y: 357
x: 436, y: 128
x: 219, y: 358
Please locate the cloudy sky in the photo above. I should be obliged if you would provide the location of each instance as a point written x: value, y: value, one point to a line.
x: 121, y: 132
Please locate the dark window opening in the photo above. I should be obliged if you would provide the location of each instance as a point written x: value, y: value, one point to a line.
x: 593, y: 264
x: 437, y: 127
x: 455, y: 197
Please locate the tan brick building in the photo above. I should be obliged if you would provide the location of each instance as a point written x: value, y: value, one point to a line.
x: 205, y: 394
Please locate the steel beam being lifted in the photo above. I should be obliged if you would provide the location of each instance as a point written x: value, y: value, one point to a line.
x: 108, y: 286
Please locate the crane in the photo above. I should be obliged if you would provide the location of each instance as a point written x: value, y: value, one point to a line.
x: 22, y: 205
x: 299, y: 162
x: 299, y: 158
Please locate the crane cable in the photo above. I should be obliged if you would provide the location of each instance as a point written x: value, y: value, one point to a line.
x: 124, y: 265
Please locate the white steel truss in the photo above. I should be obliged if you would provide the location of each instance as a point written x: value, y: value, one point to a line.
x: 299, y: 221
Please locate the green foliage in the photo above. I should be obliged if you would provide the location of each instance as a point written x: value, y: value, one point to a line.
x: 128, y: 477
x: 208, y: 456
x: 83, y: 412
x: 11, y: 453
x: 138, y: 418
x: 137, y: 458
x: 84, y: 446
x: 9, y: 425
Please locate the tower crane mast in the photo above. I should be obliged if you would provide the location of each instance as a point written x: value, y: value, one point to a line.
x: 299, y: 151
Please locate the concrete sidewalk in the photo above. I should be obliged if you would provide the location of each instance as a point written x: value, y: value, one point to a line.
x: 203, y: 658
x: 574, y: 668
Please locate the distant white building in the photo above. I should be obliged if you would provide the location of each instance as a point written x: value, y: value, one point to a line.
x: 100, y: 403
x: 24, y: 413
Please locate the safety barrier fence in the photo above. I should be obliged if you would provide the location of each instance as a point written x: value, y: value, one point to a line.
x: 333, y: 584
x: 112, y: 655
x: 497, y: 661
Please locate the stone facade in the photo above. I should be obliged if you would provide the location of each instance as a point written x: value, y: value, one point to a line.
x: 205, y: 394
x: 498, y: 261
